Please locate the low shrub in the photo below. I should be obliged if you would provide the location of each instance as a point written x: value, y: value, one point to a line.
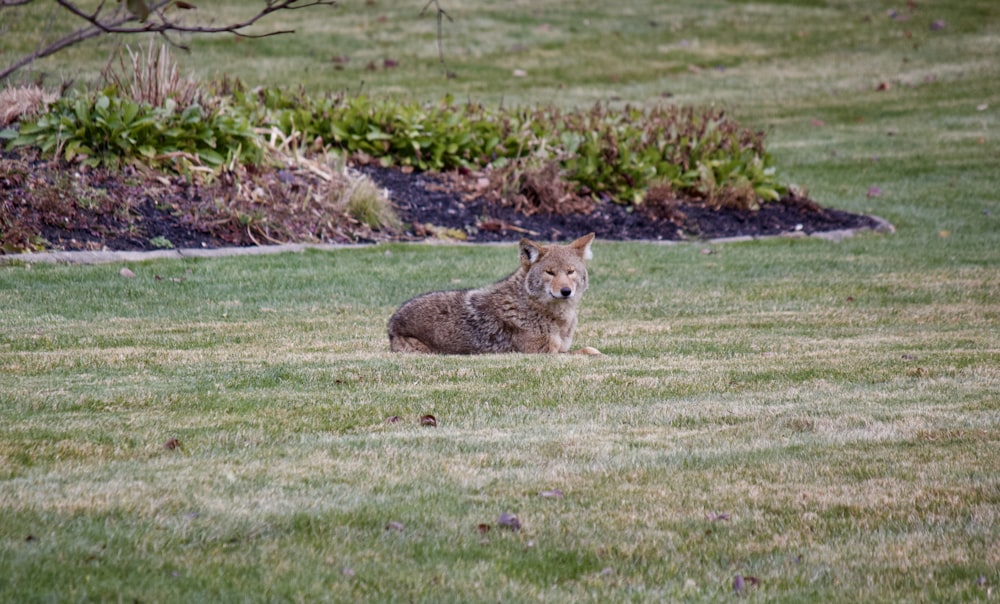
x: 612, y: 154
x: 606, y: 153
x: 108, y: 129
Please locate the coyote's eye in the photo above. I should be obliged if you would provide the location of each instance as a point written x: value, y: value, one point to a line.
x: 550, y: 273
x: 571, y: 272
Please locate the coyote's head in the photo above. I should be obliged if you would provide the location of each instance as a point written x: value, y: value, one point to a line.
x: 556, y: 273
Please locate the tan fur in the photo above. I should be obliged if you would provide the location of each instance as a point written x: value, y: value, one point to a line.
x: 533, y: 310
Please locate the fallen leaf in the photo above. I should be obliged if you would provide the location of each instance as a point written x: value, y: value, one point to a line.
x: 874, y: 192
x: 172, y: 444
x: 882, y: 86
x: 429, y: 420
x: 125, y: 272
x: 716, y: 516
x: 394, y: 526
x: 944, y: 234
x: 519, y: 73
x: 982, y: 107
x: 818, y: 123
x: 509, y: 521
x: 938, y: 24
x: 483, y: 528
x: 30, y: 538
x: 392, y: 419
x: 742, y: 584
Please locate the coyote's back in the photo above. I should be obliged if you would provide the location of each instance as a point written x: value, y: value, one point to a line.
x: 532, y: 310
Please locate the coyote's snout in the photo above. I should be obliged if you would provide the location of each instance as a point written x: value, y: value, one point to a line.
x: 532, y: 310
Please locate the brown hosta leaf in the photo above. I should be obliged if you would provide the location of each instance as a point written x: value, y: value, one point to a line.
x: 429, y: 420
x: 556, y: 493
x: 509, y: 521
x: 394, y: 525
x: 172, y: 444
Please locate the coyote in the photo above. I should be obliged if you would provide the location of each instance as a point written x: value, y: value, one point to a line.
x: 533, y: 310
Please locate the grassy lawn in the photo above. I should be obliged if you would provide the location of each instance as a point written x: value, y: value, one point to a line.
x: 820, y: 418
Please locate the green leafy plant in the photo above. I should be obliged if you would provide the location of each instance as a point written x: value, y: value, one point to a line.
x: 109, y: 130
x: 613, y: 154
x: 161, y: 243
x: 607, y: 153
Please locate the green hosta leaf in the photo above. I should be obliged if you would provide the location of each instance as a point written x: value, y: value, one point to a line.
x: 211, y: 157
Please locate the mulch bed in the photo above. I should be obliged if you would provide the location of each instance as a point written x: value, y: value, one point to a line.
x: 431, y: 199
x: 73, y: 209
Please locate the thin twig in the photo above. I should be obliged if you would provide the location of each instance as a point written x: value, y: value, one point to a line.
x: 102, y: 22
x: 440, y: 13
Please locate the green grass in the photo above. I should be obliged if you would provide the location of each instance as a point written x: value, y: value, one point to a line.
x: 839, y: 401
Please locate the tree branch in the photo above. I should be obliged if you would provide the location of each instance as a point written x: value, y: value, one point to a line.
x: 102, y: 22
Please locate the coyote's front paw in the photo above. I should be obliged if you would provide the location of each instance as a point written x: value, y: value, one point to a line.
x: 588, y: 350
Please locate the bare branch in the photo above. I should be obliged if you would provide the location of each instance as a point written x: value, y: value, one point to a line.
x: 121, y: 21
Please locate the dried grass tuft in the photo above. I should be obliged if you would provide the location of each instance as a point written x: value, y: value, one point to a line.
x: 19, y: 102
x: 151, y: 76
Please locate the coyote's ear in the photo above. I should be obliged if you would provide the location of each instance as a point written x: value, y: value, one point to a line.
x: 530, y: 251
x: 582, y: 245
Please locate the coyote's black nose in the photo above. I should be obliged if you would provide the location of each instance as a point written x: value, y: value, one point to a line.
x: 566, y: 292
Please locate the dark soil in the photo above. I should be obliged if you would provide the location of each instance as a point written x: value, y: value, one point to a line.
x: 47, y: 205
x: 428, y: 199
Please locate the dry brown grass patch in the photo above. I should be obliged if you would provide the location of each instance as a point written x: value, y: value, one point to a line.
x: 20, y: 102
